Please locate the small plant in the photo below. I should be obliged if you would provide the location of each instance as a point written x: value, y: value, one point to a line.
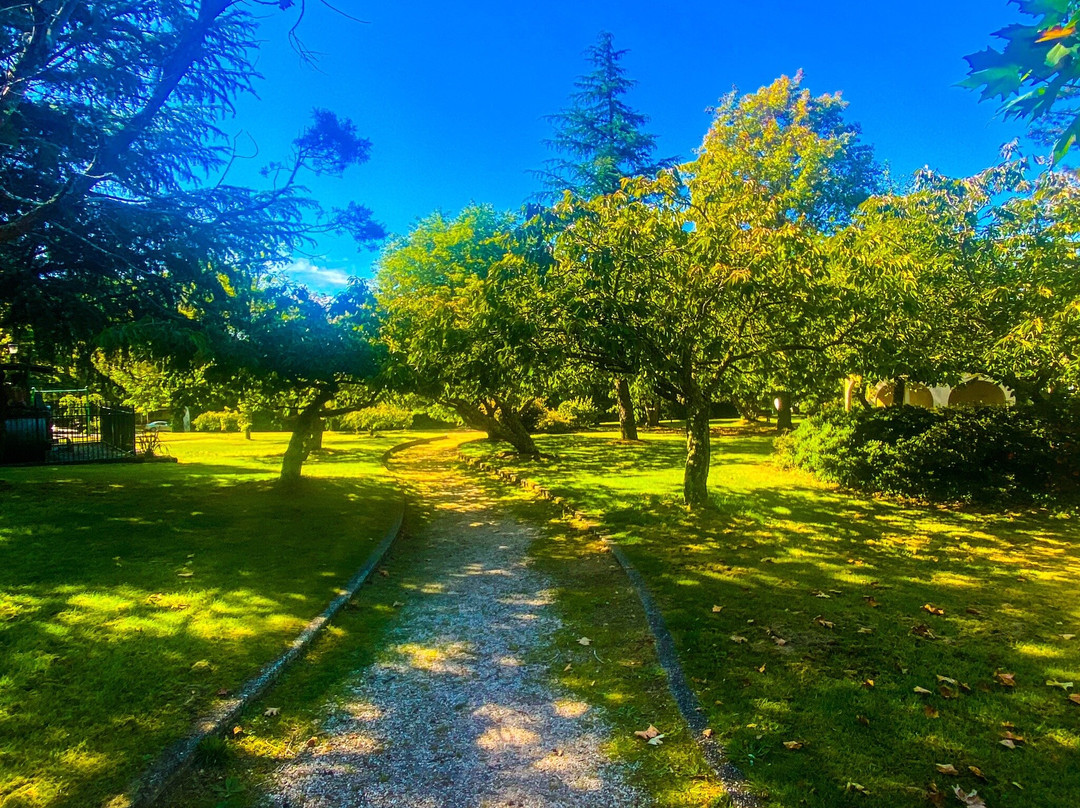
x: 213, y: 750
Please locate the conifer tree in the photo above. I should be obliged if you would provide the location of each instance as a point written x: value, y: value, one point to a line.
x: 599, y: 139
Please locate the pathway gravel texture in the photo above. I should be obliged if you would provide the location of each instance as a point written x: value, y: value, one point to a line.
x: 460, y: 709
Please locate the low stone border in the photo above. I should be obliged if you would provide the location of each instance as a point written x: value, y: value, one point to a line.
x: 689, y: 704
x: 175, y: 760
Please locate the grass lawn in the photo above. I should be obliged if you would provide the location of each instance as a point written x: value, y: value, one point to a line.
x: 799, y: 613
x: 132, y: 595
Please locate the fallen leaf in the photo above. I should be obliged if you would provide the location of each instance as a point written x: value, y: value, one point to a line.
x: 865, y: 630
x: 922, y: 691
x: 761, y: 669
x: 1068, y: 637
x: 1008, y: 744
x: 946, y: 680
x: 717, y: 609
x: 272, y: 711
x: 935, y: 796
x: 1075, y: 698
x: 868, y: 683
x: 779, y: 641
x: 932, y: 609
x: 584, y: 641
x: 975, y: 770
x: 862, y: 719
x: 946, y: 768
x: 397, y: 604
x: 185, y: 574
x: 823, y: 622
x: 931, y: 712
x: 793, y: 745
x: 1008, y: 736
x: 873, y: 604
x: 923, y: 631
x: 707, y: 733
x: 965, y: 687
x: 972, y: 800
x: 817, y: 593
x: 737, y: 639
x: 946, y: 692
x: 1006, y: 679
x: 1055, y: 683
x: 312, y: 742
x: 568, y: 666
x: 223, y: 693
x: 237, y: 730
x: 384, y: 573
x: 648, y: 734
x: 857, y: 787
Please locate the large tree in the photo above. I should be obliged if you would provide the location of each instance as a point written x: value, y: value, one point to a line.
x: 703, y: 274
x: 456, y: 296
x: 600, y: 140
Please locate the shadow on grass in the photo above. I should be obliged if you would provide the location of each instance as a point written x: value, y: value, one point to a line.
x: 820, y: 634
x: 131, y: 597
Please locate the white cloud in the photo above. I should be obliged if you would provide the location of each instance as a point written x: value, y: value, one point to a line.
x: 317, y: 278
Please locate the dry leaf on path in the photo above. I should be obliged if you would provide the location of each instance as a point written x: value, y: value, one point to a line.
x: 707, y: 733
x: 651, y: 735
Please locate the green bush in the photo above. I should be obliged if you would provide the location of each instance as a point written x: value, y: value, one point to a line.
x: 570, y: 416
x: 984, y: 455
x: 226, y: 421
x: 378, y: 418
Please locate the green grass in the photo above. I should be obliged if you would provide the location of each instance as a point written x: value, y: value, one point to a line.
x: 622, y: 678
x: 132, y: 595
x: 843, y: 581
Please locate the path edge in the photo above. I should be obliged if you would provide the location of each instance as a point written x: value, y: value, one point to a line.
x: 152, y: 784
x: 686, y: 700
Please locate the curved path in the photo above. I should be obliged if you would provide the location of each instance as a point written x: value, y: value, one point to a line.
x: 460, y: 709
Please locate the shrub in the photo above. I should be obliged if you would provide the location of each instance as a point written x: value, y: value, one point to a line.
x: 986, y: 455
x: 570, y: 416
x: 380, y: 417
x: 226, y: 421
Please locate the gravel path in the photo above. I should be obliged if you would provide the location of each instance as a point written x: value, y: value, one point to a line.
x: 453, y: 713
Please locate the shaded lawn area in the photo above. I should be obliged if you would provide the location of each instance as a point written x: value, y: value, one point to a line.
x: 132, y: 595
x: 842, y: 580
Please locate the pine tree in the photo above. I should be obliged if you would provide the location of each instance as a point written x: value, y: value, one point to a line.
x: 598, y: 141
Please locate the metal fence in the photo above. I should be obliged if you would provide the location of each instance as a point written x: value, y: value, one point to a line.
x: 71, y: 433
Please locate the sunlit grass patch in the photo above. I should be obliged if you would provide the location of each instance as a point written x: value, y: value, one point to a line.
x: 132, y: 597
x: 845, y: 605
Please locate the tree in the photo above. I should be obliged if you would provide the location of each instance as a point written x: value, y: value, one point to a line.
x: 114, y: 201
x: 454, y: 295
x: 702, y: 274
x: 600, y: 140
x: 1036, y: 74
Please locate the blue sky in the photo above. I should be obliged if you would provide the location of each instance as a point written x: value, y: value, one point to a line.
x: 453, y: 95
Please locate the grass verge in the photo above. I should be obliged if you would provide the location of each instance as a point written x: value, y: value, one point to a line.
x: 132, y: 596
x: 807, y: 616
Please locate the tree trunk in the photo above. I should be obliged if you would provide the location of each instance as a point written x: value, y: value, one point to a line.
x: 698, y: 451
x: 317, y: 435
x: 899, y: 392
x: 627, y: 422
x: 652, y: 416
x: 299, y: 448
x: 501, y: 423
x: 783, y: 412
